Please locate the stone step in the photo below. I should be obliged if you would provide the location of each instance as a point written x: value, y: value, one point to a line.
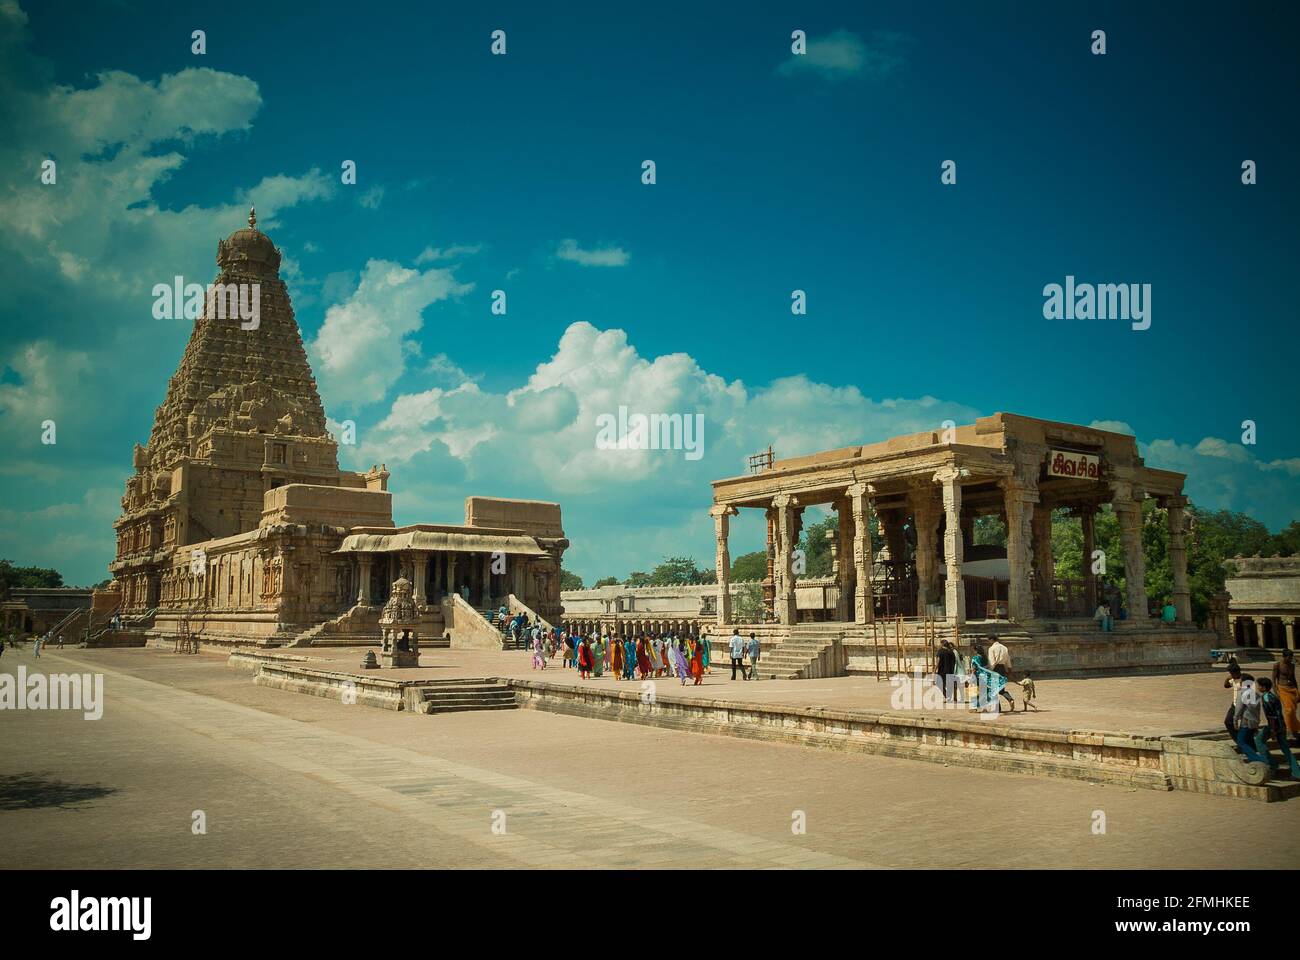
x: 469, y: 693
x: 467, y: 707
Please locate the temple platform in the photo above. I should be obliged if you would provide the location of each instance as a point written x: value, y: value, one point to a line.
x: 1152, y: 731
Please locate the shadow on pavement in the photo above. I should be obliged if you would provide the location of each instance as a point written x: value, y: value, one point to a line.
x: 26, y: 791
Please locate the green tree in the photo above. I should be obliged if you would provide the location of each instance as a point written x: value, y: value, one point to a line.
x: 607, y: 582
x: 570, y: 581
x: 12, y: 576
x: 816, y: 546
x: 747, y: 604
x: 749, y: 566
x: 678, y: 571
x: 637, y: 578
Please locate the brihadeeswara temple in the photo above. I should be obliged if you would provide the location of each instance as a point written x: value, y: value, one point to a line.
x: 238, y: 526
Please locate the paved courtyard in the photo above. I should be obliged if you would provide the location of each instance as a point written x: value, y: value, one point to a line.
x: 286, y: 780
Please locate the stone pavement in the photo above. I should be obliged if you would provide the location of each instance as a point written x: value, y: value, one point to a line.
x: 296, y: 781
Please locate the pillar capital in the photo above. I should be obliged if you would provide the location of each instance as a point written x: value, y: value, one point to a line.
x: 783, y: 500
x: 947, y: 475
x: 859, y: 490
x: 722, y: 510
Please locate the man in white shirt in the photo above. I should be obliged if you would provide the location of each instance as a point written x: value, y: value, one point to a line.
x: 1000, y: 663
x: 737, y: 648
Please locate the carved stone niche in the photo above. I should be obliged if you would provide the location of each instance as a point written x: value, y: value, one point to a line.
x: 399, y: 624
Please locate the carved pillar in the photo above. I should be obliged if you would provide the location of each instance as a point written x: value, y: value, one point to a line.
x: 1175, y: 508
x: 925, y: 514
x: 1289, y: 623
x: 451, y: 574
x: 1020, y: 497
x: 1044, y: 564
x: 786, y: 606
x: 721, y: 515
x: 363, y: 579
x: 954, y: 588
x: 1127, y: 502
x: 864, y: 607
x: 420, y: 571
x: 845, y: 562
x: 1088, y: 521
x: 486, y: 596
x: 769, y: 582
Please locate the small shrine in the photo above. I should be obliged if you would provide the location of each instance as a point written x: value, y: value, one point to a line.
x: 400, y: 627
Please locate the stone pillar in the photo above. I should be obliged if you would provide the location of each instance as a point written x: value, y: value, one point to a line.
x: 1232, y: 631
x: 846, y: 575
x: 721, y: 515
x: 864, y: 606
x: 786, y: 605
x: 1088, y: 521
x: 363, y: 579
x: 487, y: 580
x: 1127, y: 502
x: 954, y: 589
x: 1044, y: 563
x: 1256, y: 631
x: 1020, y: 497
x: 419, y: 573
x: 1175, y: 508
x: 769, y: 583
x: 925, y: 513
x: 451, y: 574
x: 1289, y: 623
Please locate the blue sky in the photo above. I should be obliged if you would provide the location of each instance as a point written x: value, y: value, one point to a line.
x: 522, y: 172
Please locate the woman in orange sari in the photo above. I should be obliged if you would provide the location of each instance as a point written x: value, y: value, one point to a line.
x: 697, y: 661
x: 616, y: 658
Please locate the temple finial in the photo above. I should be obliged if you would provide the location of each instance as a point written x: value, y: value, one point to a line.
x: 252, y: 216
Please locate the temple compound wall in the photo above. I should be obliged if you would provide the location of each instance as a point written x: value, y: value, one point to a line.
x: 238, y: 526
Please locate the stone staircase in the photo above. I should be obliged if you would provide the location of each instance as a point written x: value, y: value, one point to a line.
x: 1251, y: 780
x: 808, y: 652
x: 454, y: 696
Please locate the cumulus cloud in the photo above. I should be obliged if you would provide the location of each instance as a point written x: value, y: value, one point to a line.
x: 592, y: 256
x: 361, y: 348
x: 1222, y: 475
x: 843, y: 54
x: 622, y: 508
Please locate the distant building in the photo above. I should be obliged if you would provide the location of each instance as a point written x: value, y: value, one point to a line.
x: 1264, y: 600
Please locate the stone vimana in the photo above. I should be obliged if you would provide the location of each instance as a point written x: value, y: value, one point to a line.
x: 239, y: 524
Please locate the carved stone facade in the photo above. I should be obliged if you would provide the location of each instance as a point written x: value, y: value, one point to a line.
x: 238, y: 521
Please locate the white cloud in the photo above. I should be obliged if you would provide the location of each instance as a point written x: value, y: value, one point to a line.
x: 454, y: 252
x: 1113, y: 426
x: 843, y: 54
x: 592, y: 257
x: 1228, y: 476
x: 361, y: 348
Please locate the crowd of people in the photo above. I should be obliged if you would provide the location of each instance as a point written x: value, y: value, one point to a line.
x: 981, y: 679
x: 644, y: 657
x: 38, y: 641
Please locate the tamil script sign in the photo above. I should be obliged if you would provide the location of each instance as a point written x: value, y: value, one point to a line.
x: 1067, y: 463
